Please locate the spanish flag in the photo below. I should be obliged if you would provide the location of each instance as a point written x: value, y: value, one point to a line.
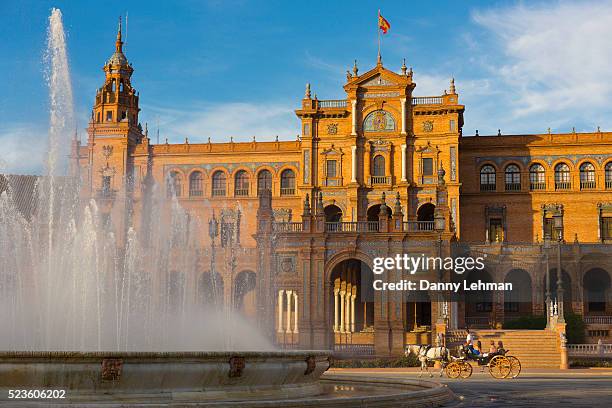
x: 383, y: 24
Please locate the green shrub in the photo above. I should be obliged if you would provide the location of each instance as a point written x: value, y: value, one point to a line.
x: 410, y: 361
x: 537, y: 322
x: 590, y: 362
x: 574, y: 328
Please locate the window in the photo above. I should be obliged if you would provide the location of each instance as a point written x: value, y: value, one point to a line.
x: 330, y: 168
x: 98, y: 117
x: 173, y: 186
x: 487, y: 178
x: 241, y: 183
x: 537, y: 177
x: 496, y: 230
x: 513, y: 178
x: 562, y: 177
x: 428, y: 167
x: 549, y: 229
x: 218, y: 184
x: 264, y: 181
x: 287, y: 182
x: 608, y: 172
x: 106, y: 186
x: 195, y: 184
x: 606, y: 228
x: 379, y: 166
x: 452, y: 125
x: 109, y: 116
x: 587, y: 176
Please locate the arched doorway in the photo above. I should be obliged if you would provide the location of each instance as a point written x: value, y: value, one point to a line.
x: 333, y: 213
x: 374, y: 211
x: 596, y: 286
x: 517, y: 302
x: 244, y: 293
x: 418, y: 311
x: 478, y: 303
x: 567, y: 289
x: 351, y: 299
x: 426, y: 212
x: 210, y: 289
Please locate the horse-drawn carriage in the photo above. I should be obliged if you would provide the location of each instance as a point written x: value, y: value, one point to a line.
x: 500, y: 364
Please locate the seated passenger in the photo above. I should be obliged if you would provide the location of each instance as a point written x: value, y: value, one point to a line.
x: 492, y: 348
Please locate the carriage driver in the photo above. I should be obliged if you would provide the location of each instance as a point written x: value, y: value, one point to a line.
x: 469, y: 342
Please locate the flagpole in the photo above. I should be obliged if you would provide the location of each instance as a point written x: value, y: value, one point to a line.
x: 378, y: 29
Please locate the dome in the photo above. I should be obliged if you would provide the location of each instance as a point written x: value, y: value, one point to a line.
x: 118, y: 58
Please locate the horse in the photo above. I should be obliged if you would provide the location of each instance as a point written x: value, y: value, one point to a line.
x: 427, y: 353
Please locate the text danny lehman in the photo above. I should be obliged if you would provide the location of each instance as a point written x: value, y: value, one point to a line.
x: 423, y: 284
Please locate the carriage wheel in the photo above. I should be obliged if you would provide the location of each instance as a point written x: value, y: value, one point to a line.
x: 515, y: 367
x: 499, y: 367
x: 453, y: 370
x: 466, y: 370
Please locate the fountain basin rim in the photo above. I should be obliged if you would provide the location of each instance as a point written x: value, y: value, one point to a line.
x: 163, y: 354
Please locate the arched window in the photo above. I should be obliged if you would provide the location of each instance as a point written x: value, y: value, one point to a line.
x: 195, y: 184
x: 513, y: 177
x: 378, y: 169
x: 608, y: 172
x: 241, y: 183
x: 537, y: 177
x: 562, y: 177
x: 219, y: 184
x: 264, y: 181
x: 174, y: 184
x: 487, y: 178
x: 287, y: 182
x: 587, y: 176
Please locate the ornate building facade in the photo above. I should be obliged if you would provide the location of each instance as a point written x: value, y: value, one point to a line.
x: 377, y: 172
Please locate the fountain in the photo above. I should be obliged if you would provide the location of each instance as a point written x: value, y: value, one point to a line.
x: 68, y: 281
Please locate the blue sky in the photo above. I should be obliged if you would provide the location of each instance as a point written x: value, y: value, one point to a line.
x: 238, y: 68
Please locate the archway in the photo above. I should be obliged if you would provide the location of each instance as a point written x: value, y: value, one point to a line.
x: 417, y: 311
x: 352, y: 298
x: 374, y: 211
x: 517, y: 302
x: 567, y: 289
x: 426, y: 212
x: 478, y: 303
x: 333, y: 213
x: 244, y: 293
x: 596, y: 286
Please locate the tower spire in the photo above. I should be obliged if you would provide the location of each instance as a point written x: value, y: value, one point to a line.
x: 119, y: 43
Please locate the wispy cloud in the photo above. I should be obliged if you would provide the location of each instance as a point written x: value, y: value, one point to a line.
x: 552, y: 61
x: 221, y: 121
x: 22, y: 149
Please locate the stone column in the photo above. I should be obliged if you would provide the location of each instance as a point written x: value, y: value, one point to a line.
x: 347, y: 319
x: 354, y: 164
x: 403, y: 162
x: 289, y: 296
x: 403, y: 101
x: 336, y: 299
x: 341, y: 311
x: 353, y: 296
x: 280, y: 310
x: 295, y: 312
x: 354, y: 117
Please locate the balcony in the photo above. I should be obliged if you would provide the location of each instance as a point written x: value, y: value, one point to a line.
x: 587, y: 185
x: 288, y: 227
x: 352, y: 226
x: 417, y: 226
x: 537, y: 186
x: 332, y: 182
x: 563, y: 185
x: 608, y: 184
x: 603, y: 319
x: 333, y: 103
x: 218, y: 192
x: 487, y: 187
x: 241, y: 192
x: 513, y: 186
x: 427, y: 100
x: 356, y: 226
x: 287, y: 191
x: 376, y: 180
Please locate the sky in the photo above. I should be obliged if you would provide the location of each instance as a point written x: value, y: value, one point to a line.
x: 238, y: 68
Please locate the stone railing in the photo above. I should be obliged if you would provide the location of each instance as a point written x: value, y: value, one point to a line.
x: 478, y: 321
x: 356, y: 226
x: 597, y: 319
x: 288, y: 227
x: 355, y: 349
x: 333, y: 103
x: 352, y: 226
x: 427, y: 100
x: 589, y: 350
x: 414, y: 226
x: 380, y: 180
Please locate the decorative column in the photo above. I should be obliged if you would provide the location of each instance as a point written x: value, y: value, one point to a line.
x: 280, y: 310
x: 295, y: 312
x: 353, y: 296
x: 342, y: 311
x: 289, y: 296
x: 348, y: 312
x: 403, y: 101
x: 403, y: 162
x: 354, y: 164
x: 336, y: 299
x: 354, y: 117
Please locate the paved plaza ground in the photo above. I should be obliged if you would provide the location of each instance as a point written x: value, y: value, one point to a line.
x: 533, y: 388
